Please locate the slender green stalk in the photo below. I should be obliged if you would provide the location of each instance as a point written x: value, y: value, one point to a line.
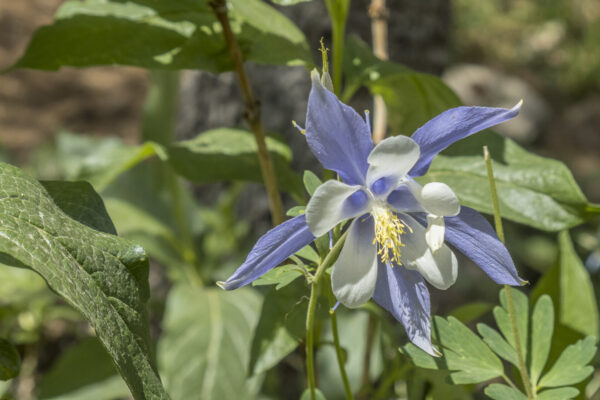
x: 338, y: 12
x: 511, y: 307
x: 252, y: 114
x: 336, y: 341
x: 310, y: 315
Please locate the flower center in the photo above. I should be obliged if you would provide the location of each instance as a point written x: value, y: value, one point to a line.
x: 388, y: 234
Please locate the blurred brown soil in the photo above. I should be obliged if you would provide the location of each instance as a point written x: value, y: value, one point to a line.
x: 35, y: 105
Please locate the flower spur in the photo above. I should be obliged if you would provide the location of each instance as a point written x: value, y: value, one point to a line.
x: 397, y: 238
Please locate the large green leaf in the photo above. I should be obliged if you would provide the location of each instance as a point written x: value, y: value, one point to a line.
x: 204, y: 350
x: 532, y: 190
x: 412, y: 98
x: 498, y: 391
x: 542, y: 329
x: 73, y: 376
x: 230, y: 154
x: 163, y: 34
x: 10, y: 360
x: 103, y: 276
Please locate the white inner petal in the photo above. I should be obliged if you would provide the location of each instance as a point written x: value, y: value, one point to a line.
x: 439, y: 199
x: 434, y: 236
x: 392, y: 158
x: 355, y: 272
x: 440, y: 268
x: 327, y: 207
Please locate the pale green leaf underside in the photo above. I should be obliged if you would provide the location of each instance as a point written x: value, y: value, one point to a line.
x: 163, y: 34
x: 203, y: 352
x: 101, y: 275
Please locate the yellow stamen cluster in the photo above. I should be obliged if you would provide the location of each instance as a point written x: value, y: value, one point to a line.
x: 388, y: 234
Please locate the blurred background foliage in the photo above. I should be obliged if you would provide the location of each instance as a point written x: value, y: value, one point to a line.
x: 94, y: 124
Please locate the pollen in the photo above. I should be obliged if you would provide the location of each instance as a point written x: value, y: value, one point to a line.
x: 388, y: 235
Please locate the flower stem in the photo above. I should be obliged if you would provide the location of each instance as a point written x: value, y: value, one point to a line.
x: 507, y: 288
x: 338, y: 11
x: 338, y: 348
x: 312, y: 306
x: 251, y: 114
x: 379, y: 31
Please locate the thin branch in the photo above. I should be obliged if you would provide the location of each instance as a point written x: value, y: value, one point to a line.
x: 379, y: 30
x: 251, y: 114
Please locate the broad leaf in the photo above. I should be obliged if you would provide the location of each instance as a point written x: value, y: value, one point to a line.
x: 498, y: 391
x: 163, y: 35
x: 204, y: 350
x: 571, y: 367
x: 73, y: 376
x: 311, y: 182
x: 10, y: 360
x: 542, y: 328
x: 532, y: 190
x: 230, y: 154
x: 280, y: 328
x: 558, y: 394
x: 280, y: 276
x: 103, y: 276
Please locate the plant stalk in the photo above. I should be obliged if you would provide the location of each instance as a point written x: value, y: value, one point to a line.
x: 252, y: 114
x: 379, y: 31
x: 338, y: 12
x: 511, y: 307
x: 312, y: 305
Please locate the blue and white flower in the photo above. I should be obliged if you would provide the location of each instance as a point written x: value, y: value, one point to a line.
x: 400, y: 232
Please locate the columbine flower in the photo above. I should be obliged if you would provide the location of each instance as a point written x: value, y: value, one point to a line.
x: 398, y: 237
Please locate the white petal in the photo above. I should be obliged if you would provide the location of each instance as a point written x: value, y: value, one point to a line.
x: 439, y: 199
x: 333, y: 203
x: 435, y: 232
x: 355, y: 272
x: 392, y: 158
x: 439, y: 269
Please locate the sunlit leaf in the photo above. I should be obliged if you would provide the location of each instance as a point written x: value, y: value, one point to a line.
x: 498, y: 391
x: 571, y: 367
x: 542, y: 329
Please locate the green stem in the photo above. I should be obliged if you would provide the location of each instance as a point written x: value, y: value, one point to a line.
x: 338, y: 12
x: 310, y: 315
x: 338, y: 348
x: 509, y: 301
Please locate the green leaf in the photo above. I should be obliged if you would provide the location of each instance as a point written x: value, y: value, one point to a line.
x: 532, y: 190
x: 571, y: 367
x: 295, y: 211
x: 578, y: 306
x: 471, y: 311
x: 289, y: 2
x: 73, y: 376
x: 231, y: 154
x: 502, y: 316
x: 203, y: 352
x: 103, y: 276
x: 542, y: 328
x: 280, y: 276
x: 463, y: 352
x: 318, y: 395
x: 497, y: 343
x: 498, y: 391
x: 311, y: 182
x: 558, y: 394
x: 280, y: 328
x: 163, y: 35
x: 413, y: 98
x: 10, y: 360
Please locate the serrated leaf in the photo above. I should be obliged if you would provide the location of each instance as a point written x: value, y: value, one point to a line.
x: 10, y: 360
x: 542, y: 329
x: 499, y: 391
x: 204, y: 350
x: 231, y: 154
x: 502, y: 316
x: 578, y: 306
x: 532, y: 190
x: 103, y: 276
x: 497, y: 343
x: 311, y: 182
x: 163, y: 35
x: 72, y: 376
x: 280, y: 276
x: 466, y: 353
x: 558, y: 394
x: 571, y: 367
x: 280, y: 328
